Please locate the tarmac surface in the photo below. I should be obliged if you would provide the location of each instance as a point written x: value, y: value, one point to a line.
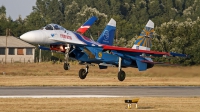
x: 98, y: 91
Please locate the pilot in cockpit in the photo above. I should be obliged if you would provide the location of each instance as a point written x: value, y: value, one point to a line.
x: 48, y: 27
x: 56, y: 27
x: 53, y: 27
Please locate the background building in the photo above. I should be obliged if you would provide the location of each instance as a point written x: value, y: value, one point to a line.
x: 15, y: 50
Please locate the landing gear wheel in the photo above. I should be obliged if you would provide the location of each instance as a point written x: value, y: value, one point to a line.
x: 121, y: 75
x: 82, y: 73
x: 66, y: 66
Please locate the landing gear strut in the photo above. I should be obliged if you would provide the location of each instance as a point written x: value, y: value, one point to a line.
x: 83, y: 72
x: 66, y: 64
x: 121, y: 73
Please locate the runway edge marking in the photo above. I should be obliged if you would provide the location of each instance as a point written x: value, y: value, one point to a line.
x: 59, y: 96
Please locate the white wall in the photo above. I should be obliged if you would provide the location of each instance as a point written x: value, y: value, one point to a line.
x: 18, y: 58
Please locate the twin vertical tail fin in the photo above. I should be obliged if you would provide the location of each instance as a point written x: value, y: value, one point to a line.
x: 107, y: 37
x: 87, y: 25
x: 143, y: 42
x: 108, y: 34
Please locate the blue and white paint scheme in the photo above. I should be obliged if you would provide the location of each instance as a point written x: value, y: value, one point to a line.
x: 107, y: 36
x: 100, y: 52
x: 53, y: 33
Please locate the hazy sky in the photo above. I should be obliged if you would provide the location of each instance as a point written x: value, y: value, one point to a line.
x: 14, y: 8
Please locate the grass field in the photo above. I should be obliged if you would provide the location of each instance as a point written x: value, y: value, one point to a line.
x: 48, y: 74
x: 145, y: 104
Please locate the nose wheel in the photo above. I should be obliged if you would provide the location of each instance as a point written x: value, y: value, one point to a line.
x: 83, y: 72
x: 66, y: 66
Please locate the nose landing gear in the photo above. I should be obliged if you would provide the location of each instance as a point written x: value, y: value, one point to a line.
x: 66, y: 65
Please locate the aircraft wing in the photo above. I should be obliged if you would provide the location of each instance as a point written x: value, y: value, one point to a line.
x: 142, y: 57
x: 141, y: 52
x: 86, y: 25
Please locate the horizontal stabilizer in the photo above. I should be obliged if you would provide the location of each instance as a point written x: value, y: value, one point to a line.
x: 102, y: 67
x: 142, y: 66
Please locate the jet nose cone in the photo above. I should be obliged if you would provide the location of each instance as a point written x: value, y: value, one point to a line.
x: 32, y: 36
x: 28, y: 37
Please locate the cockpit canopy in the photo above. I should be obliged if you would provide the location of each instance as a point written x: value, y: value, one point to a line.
x: 53, y: 27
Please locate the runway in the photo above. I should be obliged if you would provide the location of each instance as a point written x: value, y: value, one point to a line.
x: 93, y: 91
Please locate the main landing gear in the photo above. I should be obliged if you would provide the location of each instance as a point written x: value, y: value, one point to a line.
x: 121, y: 73
x: 66, y: 65
x: 83, y: 72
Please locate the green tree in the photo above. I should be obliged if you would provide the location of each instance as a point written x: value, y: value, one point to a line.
x: 3, y: 20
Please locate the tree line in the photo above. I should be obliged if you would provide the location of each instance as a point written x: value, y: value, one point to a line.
x: 176, y: 22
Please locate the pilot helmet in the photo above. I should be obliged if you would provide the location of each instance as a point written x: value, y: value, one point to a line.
x: 56, y: 26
